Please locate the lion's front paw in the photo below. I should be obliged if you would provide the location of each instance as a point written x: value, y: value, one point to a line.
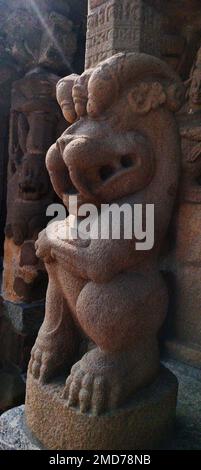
x: 45, y: 361
x: 92, y: 390
x: 40, y: 364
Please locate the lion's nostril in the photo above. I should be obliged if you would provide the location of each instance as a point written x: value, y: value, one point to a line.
x: 70, y: 188
x: 126, y: 161
x: 106, y: 172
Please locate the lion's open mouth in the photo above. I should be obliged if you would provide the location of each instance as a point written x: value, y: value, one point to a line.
x: 71, y: 189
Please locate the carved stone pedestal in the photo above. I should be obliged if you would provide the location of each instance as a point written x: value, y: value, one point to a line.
x: 144, y: 423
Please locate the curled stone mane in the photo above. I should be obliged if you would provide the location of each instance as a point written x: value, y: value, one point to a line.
x: 147, y: 81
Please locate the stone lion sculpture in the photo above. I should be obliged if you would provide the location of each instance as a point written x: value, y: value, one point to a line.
x: 106, y: 301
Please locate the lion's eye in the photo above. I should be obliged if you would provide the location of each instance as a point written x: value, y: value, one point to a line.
x: 126, y: 161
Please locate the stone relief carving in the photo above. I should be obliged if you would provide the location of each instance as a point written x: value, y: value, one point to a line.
x: 8, y: 73
x: 190, y: 130
x: 123, y: 144
x: 34, y: 125
x: 116, y: 26
x: 59, y: 52
x: 35, y: 36
x: 40, y: 33
x: 183, y: 262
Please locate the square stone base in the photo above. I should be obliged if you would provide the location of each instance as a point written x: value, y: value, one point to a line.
x: 146, y: 422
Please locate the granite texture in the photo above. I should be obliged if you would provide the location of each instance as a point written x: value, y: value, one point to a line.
x: 100, y: 288
x: 12, y: 433
x: 187, y: 430
x: 149, y: 418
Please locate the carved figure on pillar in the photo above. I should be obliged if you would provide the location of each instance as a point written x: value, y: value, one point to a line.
x: 35, y: 121
x: 190, y: 129
x: 8, y: 73
x: 41, y: 33
x: 184, y: 260
x: 123, y: 143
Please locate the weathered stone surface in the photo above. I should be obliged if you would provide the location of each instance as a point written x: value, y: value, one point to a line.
x: 184, y: 262
x: 187, y: 431
x: 33, y: 33
x: 25, y: 318
x: 121, y: 26
x: 4, y: 125
x: 39, y: 40
x: 19, y: 325
x: 8, y: 73
x: 152, y: 26
x: 35, y: 122
x: 49, y: 33
x: 12, y: 433
x: 186, y: 435
x: 144, y: 423
x: 124, y: 113
x: 41, y: 32
x: 180, y: 32
x: 12, y: 386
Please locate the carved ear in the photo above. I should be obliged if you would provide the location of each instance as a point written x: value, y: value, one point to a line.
x: 146, y: 96
x: 64, y: 97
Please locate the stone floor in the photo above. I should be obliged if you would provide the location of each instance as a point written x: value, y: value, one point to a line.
x: 188, y: 425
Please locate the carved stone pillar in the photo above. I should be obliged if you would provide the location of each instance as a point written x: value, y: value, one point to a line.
x: 184, y: 261
x: 121, y: 26
x: 8, y: 74
x: 42, y: 39
x: 95, y: 380
x: 4, y: 119
x: 35, y: 121
x: 9, y: 376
